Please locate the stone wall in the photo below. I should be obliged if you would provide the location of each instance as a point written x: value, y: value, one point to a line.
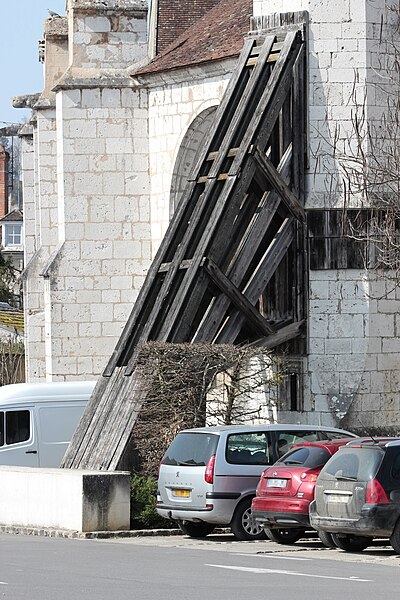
x: 352, y: 372
x: 88, y: 230
x: 103, y: 219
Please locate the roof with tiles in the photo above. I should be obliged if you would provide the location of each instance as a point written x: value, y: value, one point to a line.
x: 217, y: 35
x: 14, y: 215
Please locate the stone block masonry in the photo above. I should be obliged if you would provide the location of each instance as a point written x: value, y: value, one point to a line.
x: 104, y: 246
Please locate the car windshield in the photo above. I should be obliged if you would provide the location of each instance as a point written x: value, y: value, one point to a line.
x: 310, y: 457
x: 191, y: 449
x: 356, y: 464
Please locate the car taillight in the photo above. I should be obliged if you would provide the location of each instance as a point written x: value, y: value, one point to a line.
x: 375, y: 493
x: 209, y: 472
x: 309, y: 477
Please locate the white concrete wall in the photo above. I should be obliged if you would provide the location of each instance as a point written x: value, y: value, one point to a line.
x: 64, y: 499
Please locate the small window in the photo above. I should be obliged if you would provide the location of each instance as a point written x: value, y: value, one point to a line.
x: 290, y: 387
x: 12, y: 234
x: 249, y: 449
x: 17, y: 426
x: 286, y: 439
x: 1, y: 429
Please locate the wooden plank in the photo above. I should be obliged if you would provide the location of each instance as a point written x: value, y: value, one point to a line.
x: 213, y: 155
x: 281, y: 336
x: 237, y: 298
x: 88, y: 423
x: 291, y: 42
x: 283, y: 64
x: 226, y: 107
x: 110, y: 433
x: 271, y: 104
x: 180, y: 214
x: 185, y: 264
x: 261, y: 277
x: 279, y: 185
x: 258, y: 77
x: 248, y: 248
x: 220, y: 177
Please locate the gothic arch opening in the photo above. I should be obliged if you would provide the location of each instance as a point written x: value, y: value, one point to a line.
x: 185, y: 160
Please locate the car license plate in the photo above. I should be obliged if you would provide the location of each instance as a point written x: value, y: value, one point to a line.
x: 179, y: 493
x: 338, y: 498
x: 279, y: 483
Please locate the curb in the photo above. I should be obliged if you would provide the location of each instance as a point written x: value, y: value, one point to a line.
x: 88, y: 535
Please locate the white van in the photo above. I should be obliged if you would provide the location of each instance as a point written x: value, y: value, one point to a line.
x: 37, y: 421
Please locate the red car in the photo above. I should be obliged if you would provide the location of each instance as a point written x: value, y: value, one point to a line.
x: 286, y: 489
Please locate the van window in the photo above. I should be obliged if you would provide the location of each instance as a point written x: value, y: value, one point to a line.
x: 286, y: 439
x: 1, y: 429
x: 249, y: 449
x: 53, y: 429
x: 17, y: 426
x: 191, y: 449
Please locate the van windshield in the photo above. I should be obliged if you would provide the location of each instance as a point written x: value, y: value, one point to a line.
x: 191, y: 449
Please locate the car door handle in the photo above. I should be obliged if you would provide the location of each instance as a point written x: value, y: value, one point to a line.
x: 31, y: 452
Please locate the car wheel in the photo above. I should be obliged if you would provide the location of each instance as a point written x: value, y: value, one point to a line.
x: 326, y: 539
x: 195, y: 530
x: 243, y: 525
x: 395, y: 538
x: 284, y: 536
x: 351, y: 543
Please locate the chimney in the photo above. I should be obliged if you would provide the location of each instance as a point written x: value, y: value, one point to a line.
x: 170, y: 18
x: 4, y: 162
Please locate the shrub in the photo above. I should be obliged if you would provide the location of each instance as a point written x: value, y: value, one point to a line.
x: 143, y: 504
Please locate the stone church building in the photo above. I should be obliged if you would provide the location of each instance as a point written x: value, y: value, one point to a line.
x: 130, y: 94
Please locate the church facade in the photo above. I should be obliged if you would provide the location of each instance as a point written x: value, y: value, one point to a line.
x: 130, y: 93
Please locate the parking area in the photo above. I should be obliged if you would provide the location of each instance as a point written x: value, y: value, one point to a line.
x: 380, y: 551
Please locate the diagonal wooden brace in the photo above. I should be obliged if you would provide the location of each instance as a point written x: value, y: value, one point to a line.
x: 237, y: 298
x: 279, y: 184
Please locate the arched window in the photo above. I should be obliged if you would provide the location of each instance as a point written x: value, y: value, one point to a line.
x: 192, y: 142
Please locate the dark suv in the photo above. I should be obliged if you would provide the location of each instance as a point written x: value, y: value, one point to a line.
x: 357, y: 495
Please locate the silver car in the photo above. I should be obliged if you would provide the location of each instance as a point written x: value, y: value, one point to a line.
x: 208, y: 476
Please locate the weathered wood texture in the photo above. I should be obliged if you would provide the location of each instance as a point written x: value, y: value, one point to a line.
x: 228, y: 253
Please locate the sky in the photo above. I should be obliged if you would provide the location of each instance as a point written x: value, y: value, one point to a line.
x: 21, y: 27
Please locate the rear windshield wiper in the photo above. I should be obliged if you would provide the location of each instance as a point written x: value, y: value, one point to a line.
x: 191, y: 463
x: 293, y: 462
x: 345, y: 478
